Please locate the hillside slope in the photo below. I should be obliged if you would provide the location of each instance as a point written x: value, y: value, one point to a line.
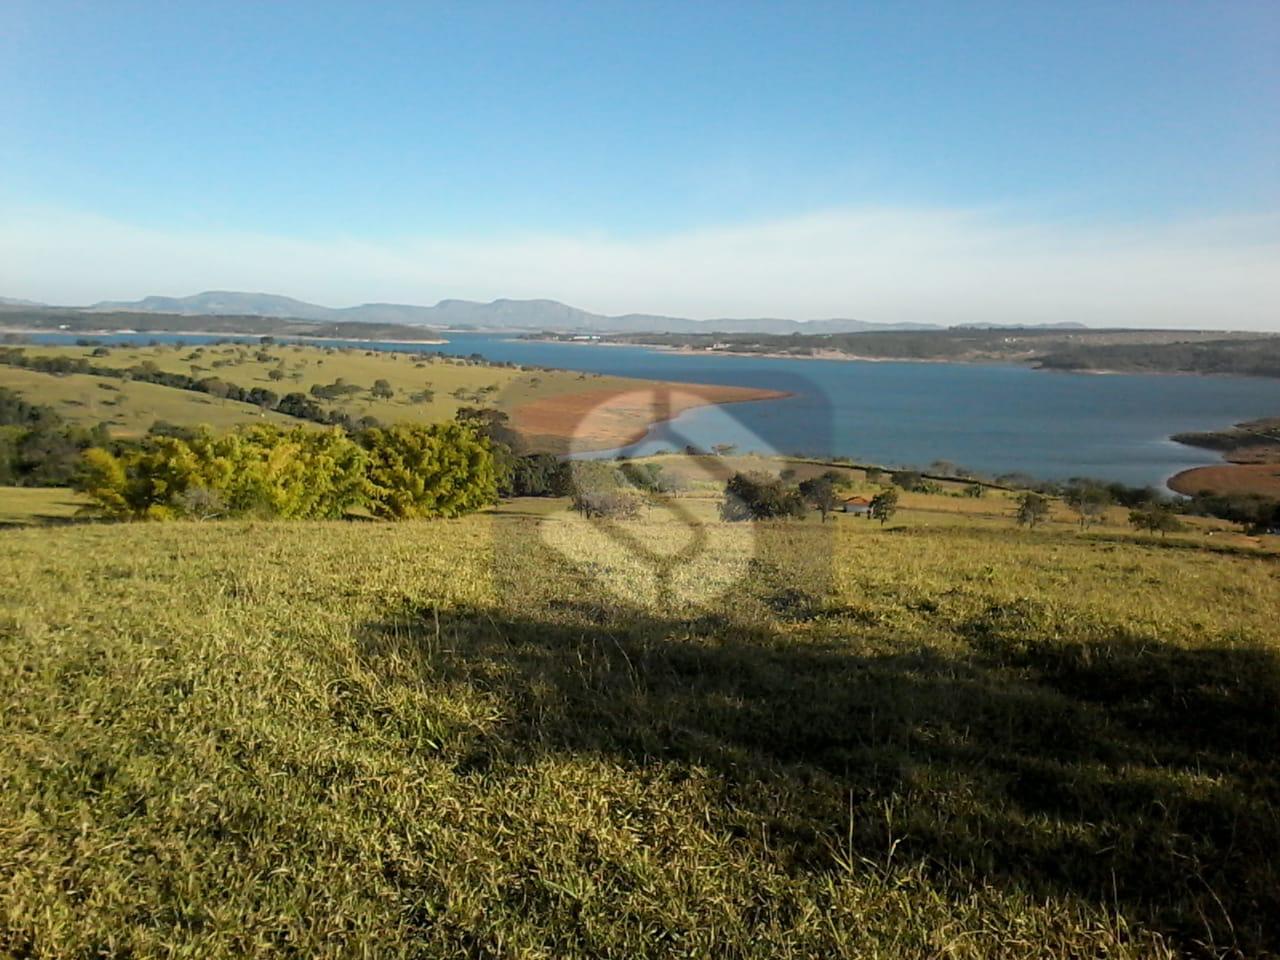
x: 499, y: 736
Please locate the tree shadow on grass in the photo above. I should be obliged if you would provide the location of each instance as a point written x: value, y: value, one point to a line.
x: 1133, y: 776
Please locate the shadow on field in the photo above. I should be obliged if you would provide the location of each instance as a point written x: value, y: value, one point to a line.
x: 1143, y: 778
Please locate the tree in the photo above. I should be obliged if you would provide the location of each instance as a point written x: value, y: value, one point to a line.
x: 102, y: 479
x: 907, y: 479
x: 540, y: 475
x: 884, y: 505
x: 975, y: 491
x: 645, y: 476
x: 607, y: 504
x: 1032, y: 509
x: 1088, y: 500
x: 382, y: 390
x: 276, y: 373
x: 492, y: 424
x: 820, y: 493
x: 755, y: 496
x: 1156, y: 518
x: 436, y: 470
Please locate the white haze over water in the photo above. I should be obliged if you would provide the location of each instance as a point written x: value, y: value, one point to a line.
x: 876, y: 264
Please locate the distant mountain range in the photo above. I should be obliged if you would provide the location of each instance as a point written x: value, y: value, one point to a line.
x: 504, y: 314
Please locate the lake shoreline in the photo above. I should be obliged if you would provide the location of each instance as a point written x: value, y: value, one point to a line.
x: 278, y: 337
x: 1250, y: 461
x: 609, y: 418
x: 994, y: 417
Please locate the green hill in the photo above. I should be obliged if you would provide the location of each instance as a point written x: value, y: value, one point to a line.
x: 421, y: 388
x: 506, y: 735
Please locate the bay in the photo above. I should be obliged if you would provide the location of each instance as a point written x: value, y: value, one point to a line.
x: 994, y: 418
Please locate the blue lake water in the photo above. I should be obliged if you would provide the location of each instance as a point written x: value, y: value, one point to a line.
x: 990, y: 417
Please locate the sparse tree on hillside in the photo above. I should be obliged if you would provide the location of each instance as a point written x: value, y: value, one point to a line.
x: 1156, y: 518
x: 1033, y: 508
x: 1089, y: 502
x: 756, y: 496
x: 820, y: 493
x: 382, y: 390
x: 884, y: 505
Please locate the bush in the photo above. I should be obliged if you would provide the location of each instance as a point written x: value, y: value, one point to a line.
x: 439, y: 470
x: 609, y: 504
x: 261, y: 470
x: 540, y: 475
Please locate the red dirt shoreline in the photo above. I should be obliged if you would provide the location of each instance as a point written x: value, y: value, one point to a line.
x: 1260, y: 478
x: 605, y: 418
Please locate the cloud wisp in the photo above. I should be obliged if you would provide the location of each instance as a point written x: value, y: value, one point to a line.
x: 884, y: 265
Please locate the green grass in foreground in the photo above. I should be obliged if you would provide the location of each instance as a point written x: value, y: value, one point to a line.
x: 497, y: 736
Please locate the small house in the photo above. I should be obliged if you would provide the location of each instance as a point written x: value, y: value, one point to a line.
x: 859, y: 506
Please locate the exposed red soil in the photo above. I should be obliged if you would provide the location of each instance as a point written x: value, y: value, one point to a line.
x: 1261, y: 478
x: 614, y: 417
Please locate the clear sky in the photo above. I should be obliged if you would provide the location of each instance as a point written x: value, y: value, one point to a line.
x: 1104, y: 162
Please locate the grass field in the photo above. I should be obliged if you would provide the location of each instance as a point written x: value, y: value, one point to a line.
x: 130, y: 408
x: 520, y: 734
x: 33, y: 506
x: 545, y: 397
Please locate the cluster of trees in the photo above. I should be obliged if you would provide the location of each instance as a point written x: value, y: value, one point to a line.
x: 296, y: 404
x: 407, y: 471
x: 1250, y: 510
x: 1250, y: 356
x: 37, y: 448
x: 759, y: 496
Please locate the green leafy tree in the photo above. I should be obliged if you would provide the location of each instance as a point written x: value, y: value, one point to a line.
x: 820, y: 493
x: 884, y: 505
x: 541, y: 475
x: 260, y: 470
x: 102, y: 478
x: 755, y: 496
x: 382, y: 390
x: 436, y: 470
x: 1156, y: 518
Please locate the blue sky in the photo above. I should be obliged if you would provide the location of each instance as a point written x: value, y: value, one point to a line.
x: 410, y: 151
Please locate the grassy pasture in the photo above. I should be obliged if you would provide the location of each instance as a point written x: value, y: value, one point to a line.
x: 32, y: 506
x: 491, y: 737
x: 303, y: 366
x: 130, y: 408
